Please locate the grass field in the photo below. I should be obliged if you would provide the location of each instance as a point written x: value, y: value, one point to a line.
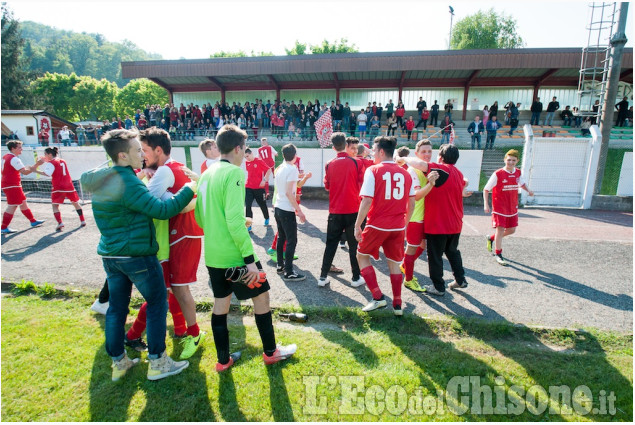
x: 350, y: 366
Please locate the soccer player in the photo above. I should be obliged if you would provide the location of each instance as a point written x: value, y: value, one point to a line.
x: 342, y: 179
x: 443, y: 218
x: 387, y: 200
x: 228, y: 249
x: 268, y: 154
x: 12, y: 167
x: 210, y: 150
x: 62, y: 186
x: 185, y: 233
x: 123, y: 210
x: 415, y: 236
x: 257, y: 176
x: 504, y: 185
x: 286, y: 208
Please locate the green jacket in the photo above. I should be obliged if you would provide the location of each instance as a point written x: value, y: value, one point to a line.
x: 123, y: 210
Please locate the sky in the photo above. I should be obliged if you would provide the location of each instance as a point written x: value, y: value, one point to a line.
x: 196, y: 29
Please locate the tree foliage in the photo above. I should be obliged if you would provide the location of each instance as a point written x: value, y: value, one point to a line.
x: 486, y: 30
x: 138, y: 93
x: 238, y: 54
x: 93, y: 99
x: 338, y: 46
x: 55, y: 92
x: 14, y: 72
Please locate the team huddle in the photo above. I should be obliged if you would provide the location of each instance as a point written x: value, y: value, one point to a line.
x: 153, y: 214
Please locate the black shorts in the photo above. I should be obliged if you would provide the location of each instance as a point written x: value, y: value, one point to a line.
x: 222, y: 287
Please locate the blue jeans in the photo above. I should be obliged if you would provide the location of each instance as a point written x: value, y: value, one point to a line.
x: 81, y: 139
x: 445, y: 137
x: 66, y: 142
x: 146, y: 274
x: 566, y: 121
x: 489, y: 141
x: 535, y: 118
x: 548, y: 117
x: 476, y: 137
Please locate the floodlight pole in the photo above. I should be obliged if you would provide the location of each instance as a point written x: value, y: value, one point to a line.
x: 451, y: 18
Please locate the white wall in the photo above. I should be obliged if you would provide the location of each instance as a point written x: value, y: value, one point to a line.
x: 19, y: 123
x: 625, y: 185
x: 27, y: 157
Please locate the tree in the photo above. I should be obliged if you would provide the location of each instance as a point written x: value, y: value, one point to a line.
x: 326, y: 47
x: 297, y: 49
x: 138, y: 93
x: 238, y: 54
x: 15, y: 75
x: 56, y: 93
x: 485, y: 30
x: 94, y: 99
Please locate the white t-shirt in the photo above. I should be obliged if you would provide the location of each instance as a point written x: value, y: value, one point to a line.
x: 361, y: 119
x: 286, y: 173
x: 162, y: 180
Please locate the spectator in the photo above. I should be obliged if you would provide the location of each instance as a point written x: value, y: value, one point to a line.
x: 492, y: 126
x: 476, y: 129
x: 448, y: 109
x: 577, y: 118
x: 392, y: 125
x: 551, y: 110
x: 513, y: 117
x: 566, y: 116
x: 622, y: 112
x: 485, y: 114
x: 81, y: 135
x: 410, y: 125
x: 434, y: 114
x: 423, y: 117
x: 399, y: 113
x: 536, y: 109
x: 586, y: 125
x: 374, y: 127
x: 361, y: 123
x: 65, y: 135
x: 352, y: 125
x: 446, y: 129
x: 493, y: 110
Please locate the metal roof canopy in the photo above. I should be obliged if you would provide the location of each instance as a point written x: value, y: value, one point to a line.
x: 554, y: 67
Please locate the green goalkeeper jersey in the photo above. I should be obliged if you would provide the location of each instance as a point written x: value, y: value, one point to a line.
x: 220, y: 211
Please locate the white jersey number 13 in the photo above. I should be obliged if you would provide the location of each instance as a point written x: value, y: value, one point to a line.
x: 399, y: 190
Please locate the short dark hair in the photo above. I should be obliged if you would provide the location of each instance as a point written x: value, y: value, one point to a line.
x: 449, y: 153
x: 289, y: 151
x: 156, y: 137
x: 387, y: 144
x: 52, y: 151
x: 361, y: 149
x: 403, y: 151
x: 339, y: 141
x: 12, y: 144
x: 116, y: 141
x: 423, y: 142
x: 352, y: 141
x: 230, y: 137
x: 247, y: 151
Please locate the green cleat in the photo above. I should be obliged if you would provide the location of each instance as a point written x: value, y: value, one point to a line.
x: 190, y: 345
x: 413, y: 285
x: 489, y: 243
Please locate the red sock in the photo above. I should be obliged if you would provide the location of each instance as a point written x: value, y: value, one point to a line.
x: 368, y: 273
x: 6, y: 220
x: 499, y: 251
x: 28, y: 214
x: 80, y: 213
x: 58, y: 217
x: 408, y: 265
x: 491, y: 238
x: 139, y: 324
x: 193, y: 330
x: 267, y: 188
x: 395, y: 281
x: 419, y: 252
x: 274, y: 245
x: 177, y: 315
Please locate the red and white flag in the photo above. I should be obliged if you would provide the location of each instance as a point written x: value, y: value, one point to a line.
x: 324, y: 129
x: 452, y: 136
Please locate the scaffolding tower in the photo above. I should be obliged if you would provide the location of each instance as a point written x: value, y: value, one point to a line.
x: 594, y: 66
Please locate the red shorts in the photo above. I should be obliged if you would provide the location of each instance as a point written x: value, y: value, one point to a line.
x: 15, y: 195
x: 506, y: 222
x: 391, y: 242
x: 184, y: 258
x: 58, y: 197
x: 414, y: 233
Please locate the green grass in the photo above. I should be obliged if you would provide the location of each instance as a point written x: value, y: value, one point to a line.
x: 55, y: 368
x: 612, y: 170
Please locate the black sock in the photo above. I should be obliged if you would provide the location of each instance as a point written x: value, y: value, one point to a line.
x: 79, y: 212
x: 104, y: 294
x: 268, y: 336
x: 221, y: 337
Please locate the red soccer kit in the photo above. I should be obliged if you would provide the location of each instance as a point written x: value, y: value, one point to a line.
x: 443, y: 214
x: 391, y: 187
x: 365, y: 163
x: 11, y: 180
x: 343, y: 198
x: 256, y: 170
x: 267, y: 154
x: 504, y: 186
x: 62, y: 185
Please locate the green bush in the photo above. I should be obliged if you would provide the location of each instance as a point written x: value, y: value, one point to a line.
x: 46, y: 291
x: 25, y: 287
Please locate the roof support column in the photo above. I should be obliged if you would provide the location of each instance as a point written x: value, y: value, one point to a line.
x: 337, y: 88
x: 220, y: 86
x: 166, y: 87
x: 401, y: 80
x: 466, y: 91
x: 276, y: 86
x: 541, y: 80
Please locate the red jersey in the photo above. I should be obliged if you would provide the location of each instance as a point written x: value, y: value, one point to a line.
x: 505, y: 191
x: 11, y: 174
x: 410, y: 124
x: 267, y: 154
x: 443, y: 214
x: 181, y: 225
x: 60, y: 177
x: 365, y: 163
x: 256, y: 170
x: 343, y: 178
x: 390, y: 186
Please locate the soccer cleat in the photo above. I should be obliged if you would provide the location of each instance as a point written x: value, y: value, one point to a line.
x: 249, y: 229
x: 59, y: 227
x: 190, y: 345
x: 431, y: 290
x: 500, y: 260
x: 375, y: 304
x: 7, y: 231
x: 181, y: 336
x: 323, y: 281
x: 293, y: 277
x: 489, y: 243
x: 398, y: 310
x: 335, y: 270
x: 164, y: 366
x: 82, y: 224
x: 119, y: 368
x: 413, y: 285
x: 402, y: 268
x: 233, y: 358
x: 272, y: 251
x: 37, y: 223
x: 100, y: 308
x: 282, y: 352
x: 274, y: 257
x: 455, y: 285
x: 280, y: 269
x: 266, y: 221
x: 343, y: 245
x: 136, y: 344
x: 358, y: 282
